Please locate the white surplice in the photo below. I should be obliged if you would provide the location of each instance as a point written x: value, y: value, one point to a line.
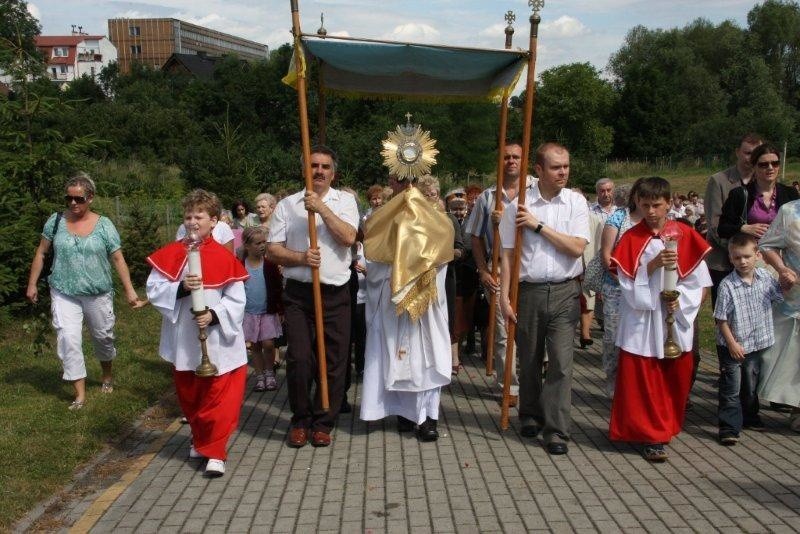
x: 641, y: 327
x: 179, y: 343
x: 406, y: 362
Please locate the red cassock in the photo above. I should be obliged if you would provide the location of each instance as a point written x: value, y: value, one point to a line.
x: 650, y: 395
x: 211, y: 404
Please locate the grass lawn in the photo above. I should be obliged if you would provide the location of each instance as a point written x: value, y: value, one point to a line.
x: 682, y: 179
x: 41, y: 442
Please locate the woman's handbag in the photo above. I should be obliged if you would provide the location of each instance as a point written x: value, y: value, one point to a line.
x: 593, y: 274
x: 594, y: 271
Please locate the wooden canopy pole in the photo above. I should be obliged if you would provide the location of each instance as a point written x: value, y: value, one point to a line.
x: 498, y: 206
x: 527, y: 125
x: 322, y: 121
x: 312, y: 225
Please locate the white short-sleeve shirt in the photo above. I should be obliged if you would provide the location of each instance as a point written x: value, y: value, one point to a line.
x: 289, y: 225
x: 567, y: 213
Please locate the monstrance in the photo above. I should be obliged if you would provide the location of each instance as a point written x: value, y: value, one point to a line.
x: 408, y: 151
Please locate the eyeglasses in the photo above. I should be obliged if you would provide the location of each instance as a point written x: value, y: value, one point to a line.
x: 766, y: 164
x: 69, y: 199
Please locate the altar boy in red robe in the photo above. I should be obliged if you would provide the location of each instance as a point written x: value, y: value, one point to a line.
x: 651, y: 391
x: 211, y: 404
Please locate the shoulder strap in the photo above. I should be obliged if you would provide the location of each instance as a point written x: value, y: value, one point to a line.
x: 743, y: 216
x: 53, y: 243
x: 55, y: 231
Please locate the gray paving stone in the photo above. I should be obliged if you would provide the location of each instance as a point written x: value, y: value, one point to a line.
x: 475, y: 479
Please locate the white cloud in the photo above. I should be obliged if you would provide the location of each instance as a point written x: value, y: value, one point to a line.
x: 34, y: 11
x: 342, y: 33
x: 416, y: 32
x: 133, y: 14
x: 207, y: 20
x: 495, y: 30
x: 564, y: 27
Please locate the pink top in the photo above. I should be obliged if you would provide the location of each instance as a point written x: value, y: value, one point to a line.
x: 760, y: 213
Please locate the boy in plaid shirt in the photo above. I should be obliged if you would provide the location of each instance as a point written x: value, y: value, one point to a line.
x: 744, y: 330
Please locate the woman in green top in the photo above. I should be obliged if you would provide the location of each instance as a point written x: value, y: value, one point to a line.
x: 80, y: 283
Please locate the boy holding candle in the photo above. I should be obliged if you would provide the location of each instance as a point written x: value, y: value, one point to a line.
x: 655, y: 255
x: 215, y: 283
x: 744, y: 331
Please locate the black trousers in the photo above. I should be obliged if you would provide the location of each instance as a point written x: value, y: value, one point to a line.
x: 302, y: 370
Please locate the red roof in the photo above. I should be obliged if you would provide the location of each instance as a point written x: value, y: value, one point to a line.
x: 64, y: 40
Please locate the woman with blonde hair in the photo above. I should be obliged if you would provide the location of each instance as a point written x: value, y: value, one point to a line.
x: 80, y: 283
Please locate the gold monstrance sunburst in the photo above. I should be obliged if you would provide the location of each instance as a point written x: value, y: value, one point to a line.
x: 408, y: 151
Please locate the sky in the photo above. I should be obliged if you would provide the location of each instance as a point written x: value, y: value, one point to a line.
x: 571, y: 30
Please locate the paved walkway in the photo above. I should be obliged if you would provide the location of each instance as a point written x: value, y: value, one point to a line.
x: 475, y: 479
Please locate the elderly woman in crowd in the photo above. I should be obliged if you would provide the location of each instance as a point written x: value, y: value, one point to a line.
x: 622, y: 220
x: 265, y: 205
x: 80, y: 283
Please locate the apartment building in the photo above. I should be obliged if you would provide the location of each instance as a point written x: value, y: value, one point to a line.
x: 152, y: 41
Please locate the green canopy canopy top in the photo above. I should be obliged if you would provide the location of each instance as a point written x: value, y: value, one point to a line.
x: 366, y: 68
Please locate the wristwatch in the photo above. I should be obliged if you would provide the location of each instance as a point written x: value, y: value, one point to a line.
x: 538, y: 228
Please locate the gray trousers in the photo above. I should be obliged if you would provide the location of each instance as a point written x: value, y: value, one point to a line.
x: 546, y: 318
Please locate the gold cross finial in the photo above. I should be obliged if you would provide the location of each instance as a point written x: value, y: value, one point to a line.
x: 537, y: 5
x: 408, y: 118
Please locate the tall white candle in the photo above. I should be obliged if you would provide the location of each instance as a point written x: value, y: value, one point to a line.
x: 671, y: 271
x: 198, y: 298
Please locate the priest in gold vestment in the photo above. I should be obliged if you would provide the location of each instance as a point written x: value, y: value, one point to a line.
x: 408, y: 243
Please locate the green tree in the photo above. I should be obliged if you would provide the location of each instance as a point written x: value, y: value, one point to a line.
x: 574, y: 107
x: 669, y: 98
x: 775, y: 31
x: 35, y: 156
x: 18, y: 31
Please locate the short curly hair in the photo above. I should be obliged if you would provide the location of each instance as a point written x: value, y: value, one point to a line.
x: 202, y: 200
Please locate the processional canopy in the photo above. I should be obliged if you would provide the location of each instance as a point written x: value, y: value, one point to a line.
x: 366, y: 68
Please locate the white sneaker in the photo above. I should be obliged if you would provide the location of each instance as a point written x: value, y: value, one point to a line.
x: 193, y: 453
x: 215, y: 468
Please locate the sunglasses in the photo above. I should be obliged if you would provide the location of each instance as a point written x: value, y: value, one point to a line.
x: 766, y: 164
x: 69, y: 199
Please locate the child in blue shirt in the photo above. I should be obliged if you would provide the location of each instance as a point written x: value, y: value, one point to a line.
x: 744, y: 330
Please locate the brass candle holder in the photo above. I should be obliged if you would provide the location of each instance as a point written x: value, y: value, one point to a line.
x: 671, y: 349
x: 206, y: 369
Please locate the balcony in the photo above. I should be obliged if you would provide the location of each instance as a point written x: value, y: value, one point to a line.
x: 89, y: 56
x: 59, y: 76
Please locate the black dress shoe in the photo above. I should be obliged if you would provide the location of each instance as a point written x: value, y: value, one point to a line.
x: 404, y: 425
x: 556, y: 447
x: 346, y: 408
x: 427, y: 430
x: 529, y: 430
x: 586, y: 342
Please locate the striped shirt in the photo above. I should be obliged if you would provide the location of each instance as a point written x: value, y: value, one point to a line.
x: 748, y: 309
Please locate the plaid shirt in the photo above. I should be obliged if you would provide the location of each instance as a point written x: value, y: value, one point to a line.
x: 748, y: 309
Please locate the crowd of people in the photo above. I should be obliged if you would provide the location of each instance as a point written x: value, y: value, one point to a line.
x: 406, y: 287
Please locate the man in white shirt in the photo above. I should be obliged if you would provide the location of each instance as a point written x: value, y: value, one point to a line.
x: 480, y: 228
x: 554, y: 226
x: 336, y: 222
